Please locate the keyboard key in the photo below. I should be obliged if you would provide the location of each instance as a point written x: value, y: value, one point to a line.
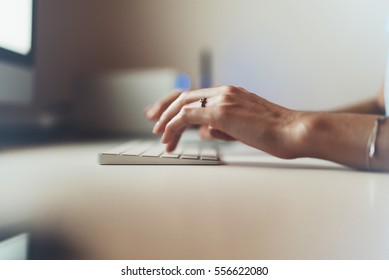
x: 211, y: 158
x: 170, y: 155
x: 175, y: 154
x: 191, y: 152
x: 209, y: 154
x: 189, y: 157
x: 121, y: 148
x: 137, y: 150
x: 154, y: 151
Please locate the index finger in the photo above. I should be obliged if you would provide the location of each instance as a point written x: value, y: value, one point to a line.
x: 180, y: 122
x: 155, y: 111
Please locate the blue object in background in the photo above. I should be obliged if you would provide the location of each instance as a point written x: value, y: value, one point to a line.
x: 182, y: 82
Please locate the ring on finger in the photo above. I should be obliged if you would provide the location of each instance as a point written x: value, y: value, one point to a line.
x: 203, y: 102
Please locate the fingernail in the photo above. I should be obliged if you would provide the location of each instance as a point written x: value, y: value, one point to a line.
x: 150, y: 113
x: 164, y: 139
x: 156, y: 128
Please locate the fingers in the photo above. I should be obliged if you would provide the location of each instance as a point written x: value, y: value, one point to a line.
x: 147, y: 110
x: 184, y: 99
x: 180, y: 122
x: 205, y: 133
x: 190, y: 116
x: 209, y: 133
x: 178, y: 111
x: 216, y: 133
x: 155, y: 111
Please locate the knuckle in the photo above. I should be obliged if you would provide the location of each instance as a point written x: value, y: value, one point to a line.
x: 170, y: 128
x: 184, y: 94
x: 184, y: 114
x: 225, y: 98
x: 229, y: 89
x: 182, y: 98
x: 185, y: 111
x: 229, y: 93
x: 228, y: 97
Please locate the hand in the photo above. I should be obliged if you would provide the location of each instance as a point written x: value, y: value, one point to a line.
x: 206, y: 132
x: 230, y: 113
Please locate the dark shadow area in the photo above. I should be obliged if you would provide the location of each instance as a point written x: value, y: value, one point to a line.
x: 42, y: 245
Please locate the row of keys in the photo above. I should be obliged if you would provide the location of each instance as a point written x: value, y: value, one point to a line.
x: 156, y: 149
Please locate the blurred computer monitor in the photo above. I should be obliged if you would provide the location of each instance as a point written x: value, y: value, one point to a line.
x: 17, y: 19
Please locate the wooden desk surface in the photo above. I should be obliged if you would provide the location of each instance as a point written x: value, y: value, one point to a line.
x: 255, y: 207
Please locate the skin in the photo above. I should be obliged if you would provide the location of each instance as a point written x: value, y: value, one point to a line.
x: 233, y: 113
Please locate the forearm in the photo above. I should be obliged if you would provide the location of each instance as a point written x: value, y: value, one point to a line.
x: 343, y: 138
x: 374, y: 105
x: 370, y: 106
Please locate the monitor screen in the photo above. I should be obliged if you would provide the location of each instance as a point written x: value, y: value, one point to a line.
x: 16, y: 25
x: 16, y: 52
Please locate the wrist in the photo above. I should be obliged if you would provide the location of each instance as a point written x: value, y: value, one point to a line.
x: 298, y: 133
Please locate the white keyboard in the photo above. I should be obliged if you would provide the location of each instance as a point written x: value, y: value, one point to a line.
x: 140, y: 152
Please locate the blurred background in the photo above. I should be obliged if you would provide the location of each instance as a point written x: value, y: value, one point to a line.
x: 303, y: 54
x: 306, y: 54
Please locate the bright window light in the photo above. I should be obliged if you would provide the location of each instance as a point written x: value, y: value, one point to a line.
x: 16, y: 25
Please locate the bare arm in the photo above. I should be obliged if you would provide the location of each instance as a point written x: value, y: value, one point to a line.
x: 343, y: 138
x: 375, y: 105
x: 234, y: 113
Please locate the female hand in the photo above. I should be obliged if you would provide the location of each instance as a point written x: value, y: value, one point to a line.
x: 230, y: 113
x: 206, y: 132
